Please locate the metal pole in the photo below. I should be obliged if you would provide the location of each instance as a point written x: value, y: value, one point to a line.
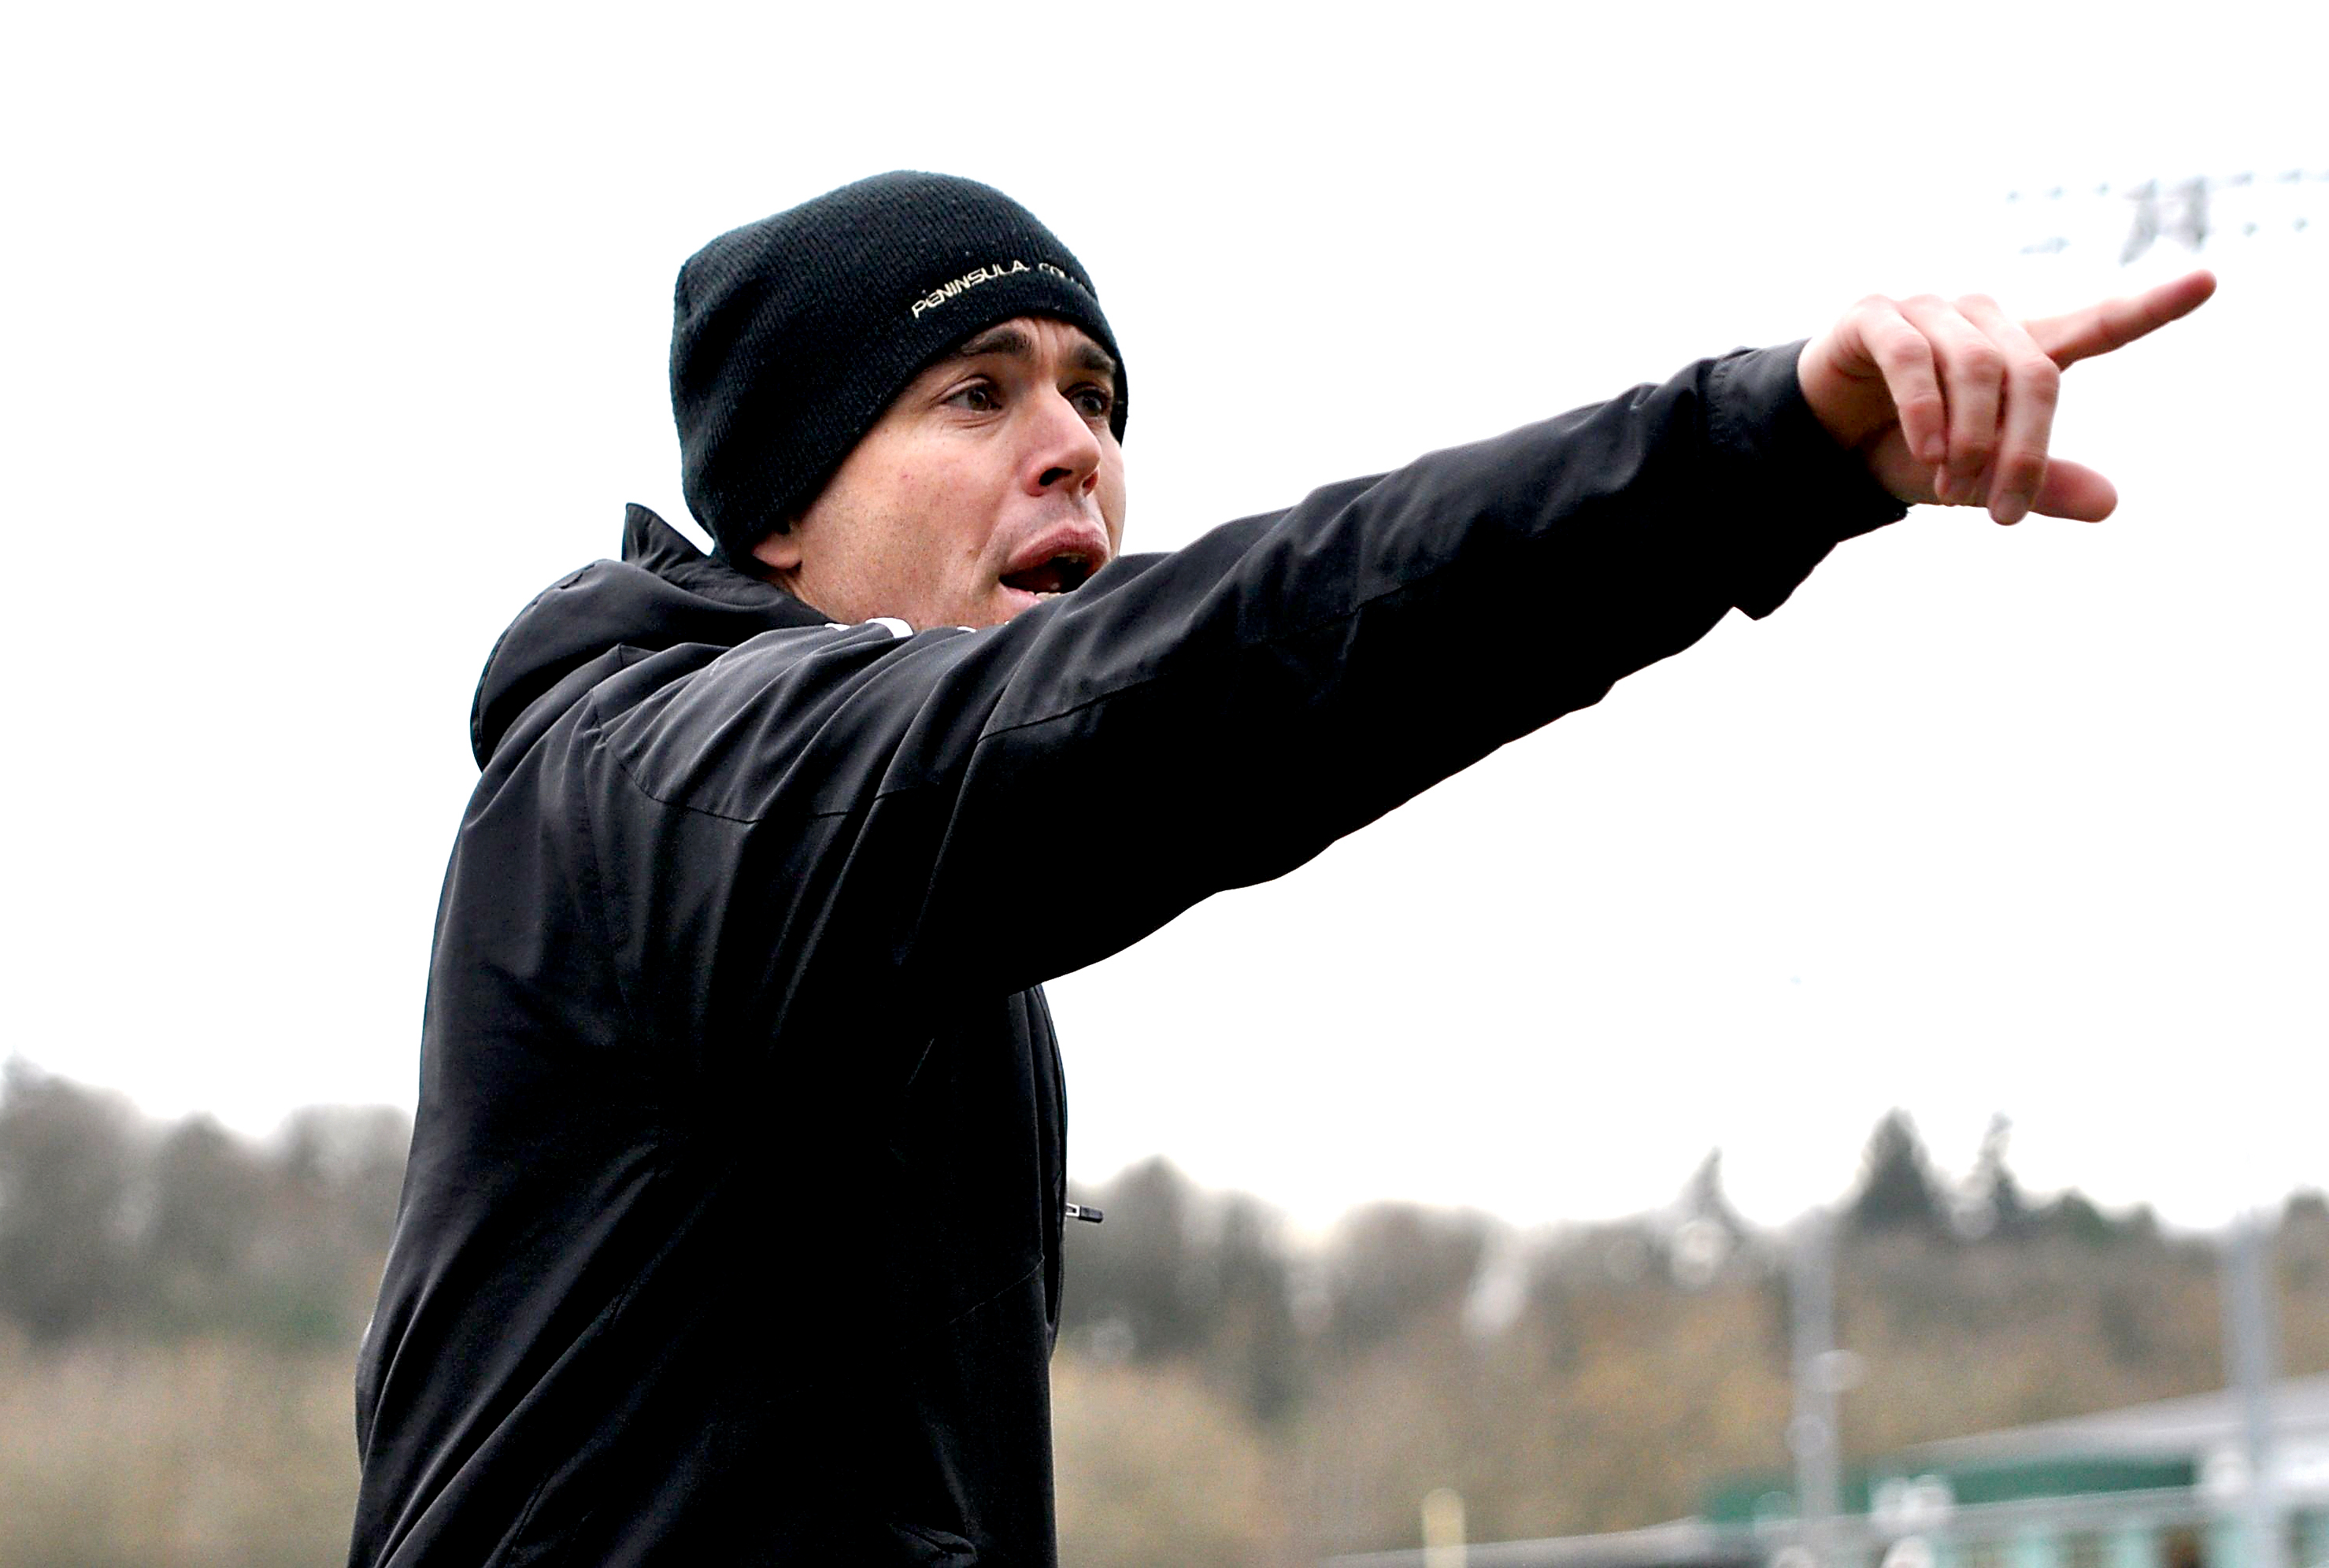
x: 2249, y: 1355
x: 1812, y: 1434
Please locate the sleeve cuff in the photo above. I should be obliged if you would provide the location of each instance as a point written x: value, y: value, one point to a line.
x: 1803, y: 494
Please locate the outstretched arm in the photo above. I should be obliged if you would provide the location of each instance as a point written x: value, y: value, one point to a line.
x: 1953, y: 400
x: 878, y: 825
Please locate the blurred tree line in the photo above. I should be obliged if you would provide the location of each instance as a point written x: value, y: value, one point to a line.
x: 108, y: 1224
x: 179, y: 1313
x: 1602, y: 1378
x: 180, y: 1309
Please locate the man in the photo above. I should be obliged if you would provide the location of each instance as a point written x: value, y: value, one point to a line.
x: 731, y: 1228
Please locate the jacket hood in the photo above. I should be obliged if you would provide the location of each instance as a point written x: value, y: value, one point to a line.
x: 663, y: 593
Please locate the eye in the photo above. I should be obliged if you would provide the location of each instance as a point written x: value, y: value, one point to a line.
x: 1093, y: 401
x: 978, y: 397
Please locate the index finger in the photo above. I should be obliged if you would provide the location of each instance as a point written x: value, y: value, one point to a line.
x: 2115, y: 323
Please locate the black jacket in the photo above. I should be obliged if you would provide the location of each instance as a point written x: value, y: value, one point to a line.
x: 731, y: 1229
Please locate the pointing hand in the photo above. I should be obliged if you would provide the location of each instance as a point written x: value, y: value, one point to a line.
x: 1953, y: 400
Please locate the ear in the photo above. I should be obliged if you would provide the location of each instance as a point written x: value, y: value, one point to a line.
x: 780, y: 552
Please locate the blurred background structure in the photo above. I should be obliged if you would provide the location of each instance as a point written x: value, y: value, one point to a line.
x: 2015, y: 1382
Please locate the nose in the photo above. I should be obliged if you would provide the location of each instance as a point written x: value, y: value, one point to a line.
x: 1063, y: 450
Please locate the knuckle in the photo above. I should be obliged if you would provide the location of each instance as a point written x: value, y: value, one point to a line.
x: 2041, y: 379
x: 1983, y: 359
x: 1969, y: 303
x: 1905, y: 355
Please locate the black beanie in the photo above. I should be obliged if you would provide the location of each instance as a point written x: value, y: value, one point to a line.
x: 791, y: 336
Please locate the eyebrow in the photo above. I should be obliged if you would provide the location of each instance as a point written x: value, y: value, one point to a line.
x: 1010, y: 340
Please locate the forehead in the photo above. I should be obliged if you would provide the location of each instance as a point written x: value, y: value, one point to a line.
x: 1033, y: 339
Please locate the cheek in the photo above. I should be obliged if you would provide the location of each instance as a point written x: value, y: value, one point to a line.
x: 1112, y: 498
x: 913, y: 521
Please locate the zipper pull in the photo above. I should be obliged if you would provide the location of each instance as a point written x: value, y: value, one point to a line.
x: 1085, y: 1211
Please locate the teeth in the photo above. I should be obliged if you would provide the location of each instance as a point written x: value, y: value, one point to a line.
x: 1061, y: 574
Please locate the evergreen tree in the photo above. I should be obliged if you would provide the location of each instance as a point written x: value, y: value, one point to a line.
x: 1896, y: 1191
x: 2074, y: 1217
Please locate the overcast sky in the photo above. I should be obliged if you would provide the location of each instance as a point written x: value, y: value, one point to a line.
x: 334, y: 334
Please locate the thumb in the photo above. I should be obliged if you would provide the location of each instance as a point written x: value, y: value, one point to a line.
x: 2075, y: 491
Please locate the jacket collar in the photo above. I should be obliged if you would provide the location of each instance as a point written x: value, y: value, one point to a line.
x: 663, y: 594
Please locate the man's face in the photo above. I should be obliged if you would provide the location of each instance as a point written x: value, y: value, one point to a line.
x: 990, y: 482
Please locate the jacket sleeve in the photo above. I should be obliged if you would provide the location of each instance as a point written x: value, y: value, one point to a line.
x: 823, y: 824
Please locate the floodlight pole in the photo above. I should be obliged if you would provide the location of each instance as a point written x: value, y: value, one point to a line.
x: 2249, y: 1355
x: 1812, y: 1434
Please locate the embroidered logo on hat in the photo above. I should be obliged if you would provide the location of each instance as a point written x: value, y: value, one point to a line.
x: 971, y: 279
x: 976, y: 276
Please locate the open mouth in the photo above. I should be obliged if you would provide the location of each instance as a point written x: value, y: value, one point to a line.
x: 1059, y: 574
